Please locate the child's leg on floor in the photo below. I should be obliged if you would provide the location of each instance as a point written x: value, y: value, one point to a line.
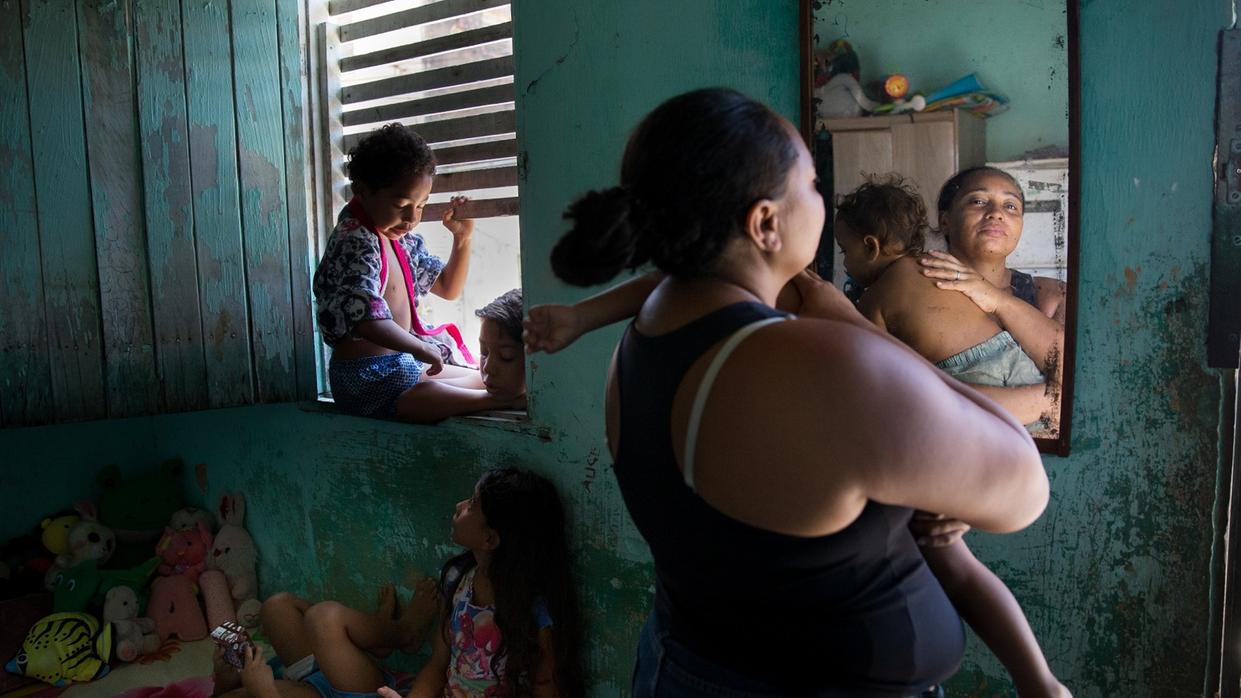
x: 283, y: 617
x: 341, y: 637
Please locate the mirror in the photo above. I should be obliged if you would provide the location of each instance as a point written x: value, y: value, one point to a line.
x: 924, y: 90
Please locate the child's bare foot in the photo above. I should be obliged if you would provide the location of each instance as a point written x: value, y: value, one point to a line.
x: 418, y: 616
x: 385, y: 606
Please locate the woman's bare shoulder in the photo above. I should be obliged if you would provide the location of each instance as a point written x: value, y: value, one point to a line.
x: 1049, y: 295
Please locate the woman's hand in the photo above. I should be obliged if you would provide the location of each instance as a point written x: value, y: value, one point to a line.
x: 551, y: 328
x: 386, y: 692
x: 461, y: 228
x: 936, y: 531
x: 952, y: 275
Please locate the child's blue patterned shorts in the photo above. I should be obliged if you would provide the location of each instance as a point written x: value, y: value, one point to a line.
x: 369, y: 386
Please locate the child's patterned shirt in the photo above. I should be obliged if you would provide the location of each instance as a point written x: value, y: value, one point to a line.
x: 474, y: 638
x: 349, y: 281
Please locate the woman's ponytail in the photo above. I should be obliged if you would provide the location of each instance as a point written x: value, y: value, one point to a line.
x: 603, y: 239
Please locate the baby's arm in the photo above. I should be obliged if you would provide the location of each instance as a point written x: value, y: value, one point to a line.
x: 994, y: 614
x: 553, y: 327
x: 390, y: 335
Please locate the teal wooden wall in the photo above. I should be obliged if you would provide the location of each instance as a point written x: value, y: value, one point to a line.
x: 153, y: 209
x: 1116, y: 577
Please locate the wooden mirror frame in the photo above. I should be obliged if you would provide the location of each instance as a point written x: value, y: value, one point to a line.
x: 1059, y: 445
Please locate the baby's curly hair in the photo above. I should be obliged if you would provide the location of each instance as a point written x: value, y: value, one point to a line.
x: 387, y: 154
x: 890, y: 209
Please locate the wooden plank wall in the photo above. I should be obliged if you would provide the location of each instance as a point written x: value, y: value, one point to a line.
x: 153, y: 208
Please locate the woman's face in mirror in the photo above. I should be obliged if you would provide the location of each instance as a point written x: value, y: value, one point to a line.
x: 985, y: 219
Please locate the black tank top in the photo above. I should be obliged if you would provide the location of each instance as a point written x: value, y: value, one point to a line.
x: 856, y: 612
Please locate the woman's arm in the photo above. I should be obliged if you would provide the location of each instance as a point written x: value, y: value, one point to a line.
x: 553, y: 327
x: 1041, y: 336
x: 910, y: 435
x: 1028, y: 403
x: 992, y: 611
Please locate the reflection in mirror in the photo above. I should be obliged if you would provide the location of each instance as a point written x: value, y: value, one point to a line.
x: 903, y: 94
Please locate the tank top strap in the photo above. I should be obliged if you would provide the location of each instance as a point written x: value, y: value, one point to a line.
x: 704, y: 390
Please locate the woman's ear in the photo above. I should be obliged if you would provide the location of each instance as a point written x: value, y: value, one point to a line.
x: 762, y: 226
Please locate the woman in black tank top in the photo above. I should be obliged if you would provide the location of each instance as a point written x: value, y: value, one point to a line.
x: 757, y: 453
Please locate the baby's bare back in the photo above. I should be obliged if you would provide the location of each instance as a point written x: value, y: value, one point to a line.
x: 935, y: 323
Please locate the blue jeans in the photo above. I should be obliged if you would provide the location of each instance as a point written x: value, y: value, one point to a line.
x: 667, y: 669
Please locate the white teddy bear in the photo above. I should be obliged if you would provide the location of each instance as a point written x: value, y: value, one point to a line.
x: 133, y: 636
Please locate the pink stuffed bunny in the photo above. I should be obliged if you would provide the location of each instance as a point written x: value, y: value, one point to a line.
x: 184, y: 552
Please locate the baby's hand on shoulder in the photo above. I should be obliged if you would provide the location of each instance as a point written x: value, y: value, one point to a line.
x: 461, y: 228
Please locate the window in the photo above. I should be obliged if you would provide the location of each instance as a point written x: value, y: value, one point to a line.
x: 445, y: 68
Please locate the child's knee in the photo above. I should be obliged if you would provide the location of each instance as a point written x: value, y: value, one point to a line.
x: 325, y: 618
x: 276, y: 603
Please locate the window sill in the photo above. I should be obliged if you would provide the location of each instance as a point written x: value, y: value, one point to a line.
x: 517, y: 421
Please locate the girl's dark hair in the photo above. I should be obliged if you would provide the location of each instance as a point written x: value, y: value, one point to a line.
x: 506, y: 312
x: 948, y: 193
x: 531, y: 564
x: 387, y: 154
x: 691, y: 170
x: 890, y: 209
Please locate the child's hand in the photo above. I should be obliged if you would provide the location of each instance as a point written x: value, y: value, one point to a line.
x: 819, y: 299
x: 428, y: 353
x: 551, y: 328
x: 256, y: 675
x: 386, y: 692
x: 461, y: 229
x: 935, y: 531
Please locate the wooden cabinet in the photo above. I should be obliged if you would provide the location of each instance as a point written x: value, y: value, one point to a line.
x: 924, y: 148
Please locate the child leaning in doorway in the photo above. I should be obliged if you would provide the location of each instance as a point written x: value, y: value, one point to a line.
x: 385, y: 363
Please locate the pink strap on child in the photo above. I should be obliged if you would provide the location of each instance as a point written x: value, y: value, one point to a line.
x: 448, y: 327
x: 355, y: 207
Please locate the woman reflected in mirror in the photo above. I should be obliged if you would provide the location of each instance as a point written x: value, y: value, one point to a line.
x: 981, y: 215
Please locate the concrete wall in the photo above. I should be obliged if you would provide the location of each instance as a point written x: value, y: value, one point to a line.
x: 1116, y: 577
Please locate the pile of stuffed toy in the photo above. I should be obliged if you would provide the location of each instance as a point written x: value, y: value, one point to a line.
x: 129, y: 575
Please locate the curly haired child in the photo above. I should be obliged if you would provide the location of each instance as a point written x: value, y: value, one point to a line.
x: 385, y: 362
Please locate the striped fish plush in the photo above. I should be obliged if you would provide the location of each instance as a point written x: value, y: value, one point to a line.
x: 64, y: 647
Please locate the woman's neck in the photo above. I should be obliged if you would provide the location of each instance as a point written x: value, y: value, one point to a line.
x: 993, y: 270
